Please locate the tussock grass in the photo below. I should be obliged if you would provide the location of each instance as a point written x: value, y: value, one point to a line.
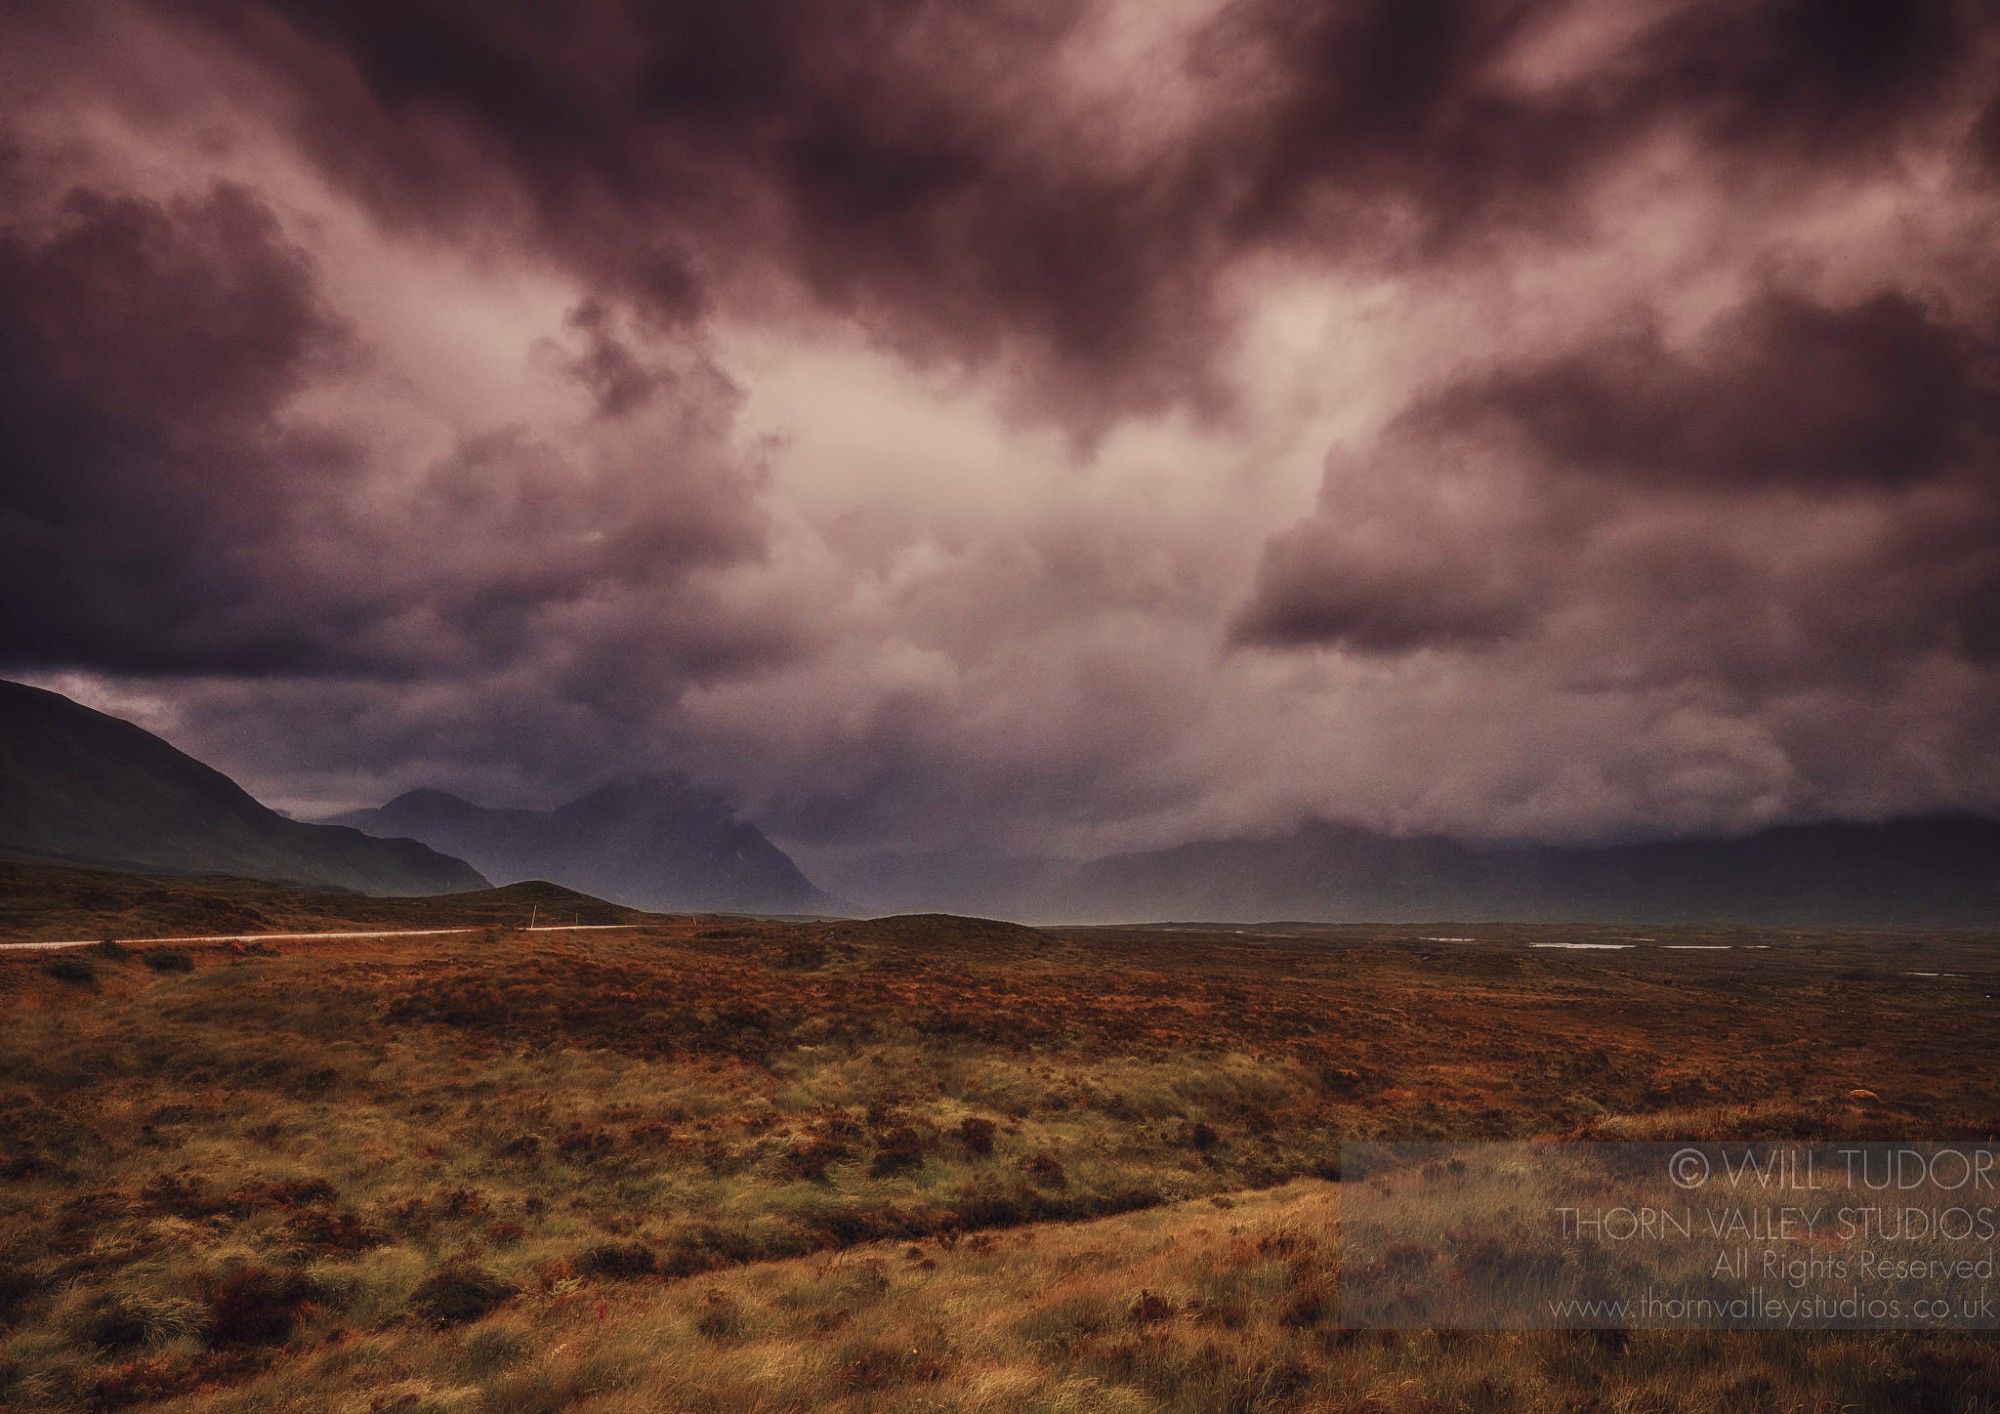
x: 789, y: 1165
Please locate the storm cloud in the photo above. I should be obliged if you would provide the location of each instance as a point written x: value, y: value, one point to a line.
x: 1061, y: 423
x: 1779, y: 391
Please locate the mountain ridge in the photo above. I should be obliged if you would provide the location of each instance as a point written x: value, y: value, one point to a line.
x: 652, y: 840
x: 1936, y: 869
x: 1940, y: 869
x: 90, y: 788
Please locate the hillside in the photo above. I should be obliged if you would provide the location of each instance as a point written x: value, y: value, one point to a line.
x: 39, y: 901
x: 79, y: 785
x: 657, y: 842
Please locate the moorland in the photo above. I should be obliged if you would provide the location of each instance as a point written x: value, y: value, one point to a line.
x: 911, y: 1163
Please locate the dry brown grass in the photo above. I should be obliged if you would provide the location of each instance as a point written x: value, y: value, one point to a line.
x: 916, y: 1165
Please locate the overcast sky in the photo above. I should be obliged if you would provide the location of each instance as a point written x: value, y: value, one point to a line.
x: 1059, y: 424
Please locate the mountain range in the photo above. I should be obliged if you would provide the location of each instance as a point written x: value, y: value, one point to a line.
x: 80, y: 786
x: 651, y: 841
x: 1937, y: 870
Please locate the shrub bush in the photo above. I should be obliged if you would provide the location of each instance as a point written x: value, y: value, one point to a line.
x: 1046, y: 1169
x: 719, y: 1317
x: 145, y: 1380
x: 1305, y: 1307
x: 325, y: 1230
x: 118, y: 1321
x: 17, y: 1284
x: 584, y: 1143
x: 457, y: 1296
x: 257, y: 1306
x: 809, y: 1159
x: 1200, y: 1136
x: 898, y: 1149
x: 977, y: 1134
x: 168, y: 959
x: 618, y: 1259
x: 867, y: 1366
x: 76, y: 971
x: 803, y: 956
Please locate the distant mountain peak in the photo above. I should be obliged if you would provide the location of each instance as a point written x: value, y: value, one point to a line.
x: 1923, y: 870
x: 646, y: 788
x: 1939, y: 869
x: 647, y: 783
x: 428, y: 797
x: 655, y: 839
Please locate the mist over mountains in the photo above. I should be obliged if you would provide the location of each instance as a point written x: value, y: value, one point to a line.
x: 85, y: 787
x: 1941, y: 870
x: 653, y: 841
x: 82, y: 786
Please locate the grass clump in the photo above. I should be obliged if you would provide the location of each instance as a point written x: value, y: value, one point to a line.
x: 71, y: 970
x: 255, y: 1305
x: 121, y: 1321
x: 924, y: 1169
x: 457, y: 1296
x: 619, y: 1260
x: 977, y: 1135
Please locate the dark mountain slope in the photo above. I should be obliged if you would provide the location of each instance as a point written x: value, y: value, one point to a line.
x: 77, y: 784
x: 658, y: 842
x: 42, y: 900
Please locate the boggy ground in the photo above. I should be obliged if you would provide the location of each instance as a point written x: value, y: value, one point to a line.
x: 921, y: 1163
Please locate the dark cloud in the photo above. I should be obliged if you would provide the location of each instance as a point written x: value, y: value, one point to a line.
x: 618, y: 378
x: 153, y: 321
x: 1986, y: 137
x: 881, y: 154
x: 1817, y: 73
x: 1803, y: 499
x: 1401, y: 129
x: 421, y: 448
x: 168, y: 506
x: 1381, y: 571
x: 1391, y: 117
x: 924, y: 167
x: 1782, y: 391
x: 145, y: 350
x: 1328, y: 598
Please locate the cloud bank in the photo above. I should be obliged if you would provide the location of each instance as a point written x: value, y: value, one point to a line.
x: 1061, y: 424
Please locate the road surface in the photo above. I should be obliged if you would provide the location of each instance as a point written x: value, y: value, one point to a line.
x: 308, y: 937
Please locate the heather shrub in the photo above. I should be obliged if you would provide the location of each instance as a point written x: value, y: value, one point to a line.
x: 257, y: 1306
x: 618, y: 1259
x: 76, y: 971
x: 457, y: 1296
x: 977, y: 1134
